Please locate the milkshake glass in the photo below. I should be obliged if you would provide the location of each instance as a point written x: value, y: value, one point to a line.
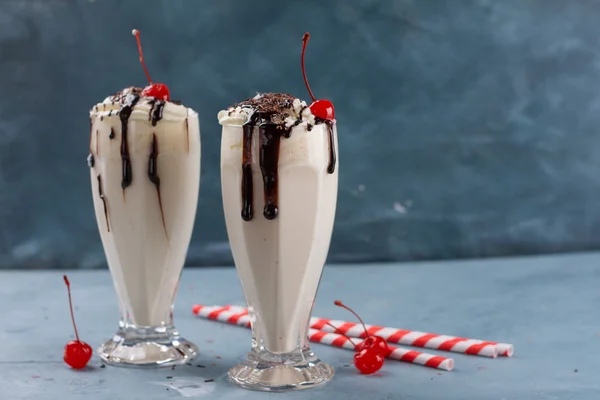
x: 279, y: 180
x: 145, y: 173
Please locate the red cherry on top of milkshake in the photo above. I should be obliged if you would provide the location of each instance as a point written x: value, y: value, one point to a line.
x: 157, y: 90
x: 322, y: 109
x: 77, y: 353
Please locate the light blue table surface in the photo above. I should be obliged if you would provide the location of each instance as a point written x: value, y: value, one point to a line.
x: 548, y: 307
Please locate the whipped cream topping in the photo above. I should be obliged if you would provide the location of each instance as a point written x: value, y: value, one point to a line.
x: 111, y: 106
x: 297, y: 115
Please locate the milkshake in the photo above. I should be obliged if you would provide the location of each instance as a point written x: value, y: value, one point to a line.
x: 279, y: 178
x: 145, y: 172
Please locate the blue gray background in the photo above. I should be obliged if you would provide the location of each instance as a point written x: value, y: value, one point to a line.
x: 467, y: 128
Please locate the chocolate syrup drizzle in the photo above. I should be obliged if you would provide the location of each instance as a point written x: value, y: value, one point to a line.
x: 124, y: 114
x: 269, y: 139
x: 247, y: 182
x: 90, y: 157
x: 332, y: 152
x: 270, y: 134
x: 153, y: 175
x: 156, y: 113
x: 103, y: 198
x: 187, y: 136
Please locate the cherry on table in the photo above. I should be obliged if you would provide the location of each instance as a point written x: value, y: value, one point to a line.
x: 157, y: 90
x: 370, y: 354
x: 77, y: 353
x: 368, y: 361
x: 376, y: 343
x: 322, y: 109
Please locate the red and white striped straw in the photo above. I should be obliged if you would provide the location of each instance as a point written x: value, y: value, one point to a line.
x: 237, y: 316
x: 412, y: 338
x: 418, y: 339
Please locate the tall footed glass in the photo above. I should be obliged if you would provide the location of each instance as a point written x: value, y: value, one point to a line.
x: 279, y: 194
x: 145, y: 172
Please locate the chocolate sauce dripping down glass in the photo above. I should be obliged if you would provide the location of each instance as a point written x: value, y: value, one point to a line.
x: 90, y: 155
x: 157, y: 112
x: 247, y: 184
x: 90, y: 158
x: 269, y: 139
x: 124, y: 114
x: 332, y: 152
x: 152, y: 103
x: 112, y: 134
x: 153, y: 175
x: 187, y: 136
x: 269, y: 143
x: 103, y: 198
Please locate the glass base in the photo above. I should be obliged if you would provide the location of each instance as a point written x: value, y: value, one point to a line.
x: 271, y: 372
x: 147, y: 347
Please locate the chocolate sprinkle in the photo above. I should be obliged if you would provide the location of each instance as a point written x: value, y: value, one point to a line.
x: 270, y: 106
x: 121, y: 96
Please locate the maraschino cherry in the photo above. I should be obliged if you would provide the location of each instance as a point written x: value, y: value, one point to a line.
x: 371, y: 352
x: 158, y: 90
x: 322, y: 109
x: 367, y: 361
x: 77, y: 353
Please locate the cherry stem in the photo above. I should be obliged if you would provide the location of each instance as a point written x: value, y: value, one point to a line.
x: 340, y: 304
x: 136, y: 33
x: 343, y: 334
x: 71, y: 305
x: 305, y: 40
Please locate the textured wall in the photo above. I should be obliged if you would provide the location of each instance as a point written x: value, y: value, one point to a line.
x: 467, y: 128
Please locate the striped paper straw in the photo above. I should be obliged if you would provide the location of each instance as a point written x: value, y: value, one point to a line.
x: 232, y: 315
x: 412, y: 338
x: 406, y: 337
